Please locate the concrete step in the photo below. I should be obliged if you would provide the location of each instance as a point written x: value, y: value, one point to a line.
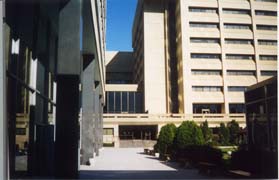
x: 136, y: 143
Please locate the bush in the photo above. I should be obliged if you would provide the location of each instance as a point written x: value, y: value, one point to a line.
x: 166, y: 138
x: 202, y: 153
x: 207, y: 133
x: 224, y: 135
x: 234, y: 130
x: 188, y: 134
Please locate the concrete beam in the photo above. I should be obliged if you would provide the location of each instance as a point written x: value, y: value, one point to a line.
x: 69, y: 39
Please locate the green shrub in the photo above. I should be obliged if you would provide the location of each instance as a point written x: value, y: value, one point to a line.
x: 188, y: 134
x: 207, y: 133
x: 234, y: 130
x: 224, y: 135
x: 166, y: 138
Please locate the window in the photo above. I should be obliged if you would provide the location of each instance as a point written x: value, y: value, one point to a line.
x: 117, y: 102
x: 268, y: 57
x: 265, y: 13
x: 235, y: 11
x: 211, y: 108
x: 267, y: 27
x: 131, y: 102
x: 239, y: 57
x: 205, y: 56
x: 20, y: 131
x: 202, y: 10
x: 237, y: 88
x: 266, y: 0
x: 124, y: 102
x: 204, y: 25
x: 268, y: 42
x: 206, y: 72
x: 240, y: 73
x: 238, y: 41
x: 108, y: 131
x: 205, y: 40
x: 237, y: 108
x: 237, y: 26
x: 268, y: 73
x: 110, y: 104
x: 207, y: 88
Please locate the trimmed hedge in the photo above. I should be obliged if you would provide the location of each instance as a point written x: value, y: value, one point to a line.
x: 202, y: 153
x: 166, y: 139
x: 188, y: 134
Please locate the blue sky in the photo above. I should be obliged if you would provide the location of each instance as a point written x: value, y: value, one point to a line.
x: 120, y: 16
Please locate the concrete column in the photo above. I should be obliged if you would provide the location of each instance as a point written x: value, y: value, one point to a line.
x: 88, y: 104
x: 3, y: 126
x: 67, y: 102
x: 67, y: 133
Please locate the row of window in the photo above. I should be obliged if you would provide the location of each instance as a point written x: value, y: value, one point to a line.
x: 217, y: 108
x: 233, y: 41
x: 234, y: 57
x: 233, y: 26
x: 232, y: 73
x: 232, y: 11
x: 123, y: 102
x: 207, y: 88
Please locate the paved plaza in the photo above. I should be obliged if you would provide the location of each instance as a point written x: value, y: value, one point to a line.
x: 131, y: 163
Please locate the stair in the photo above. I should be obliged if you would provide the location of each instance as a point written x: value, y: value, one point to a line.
x: 136, y: 143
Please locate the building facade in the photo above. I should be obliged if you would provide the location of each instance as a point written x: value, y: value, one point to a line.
x: 52, y: 82
x: 194, y: 59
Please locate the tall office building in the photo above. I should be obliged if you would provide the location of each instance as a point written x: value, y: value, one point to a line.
x: 193, y: 60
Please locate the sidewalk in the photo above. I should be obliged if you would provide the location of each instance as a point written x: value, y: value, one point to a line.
x: 131, y: 163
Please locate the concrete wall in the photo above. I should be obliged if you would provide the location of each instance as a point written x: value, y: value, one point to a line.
x: 154, y: 57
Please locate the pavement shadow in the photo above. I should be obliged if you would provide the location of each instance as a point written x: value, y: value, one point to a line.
x: 189, y: 174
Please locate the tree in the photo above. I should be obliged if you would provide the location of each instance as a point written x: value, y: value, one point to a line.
x: 234, y: 130
x: 207, y: 133
x: 166, y: 138
x: 224, y: 135
x: 188, y: 134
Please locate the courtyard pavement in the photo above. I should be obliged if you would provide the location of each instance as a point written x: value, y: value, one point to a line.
x: 131, y: 163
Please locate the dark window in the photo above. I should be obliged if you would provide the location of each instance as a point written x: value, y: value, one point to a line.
x: 237, y: 108
x: 117, y: 102
x: 131, y: 102
x: 267, y: 27
x: 208, y: 108
x: 240, y: 73
x: 206, y: 72
x: 205, y: 56
x: 207, y: 88
x: 204, y: 25
x: 202, y: 10
x: 268, y: 73
x: 239, y: 57
x: 237, y: 88
x: 235, y: 11
x: 205, y: 40
x: 265, y: 13
x: 238, y: 41
x: 124, y: 102
x: 110, y: 102
x: 20, y: 131
x: 268, y: 42
x: 268, y: 57
x: 237, y: 26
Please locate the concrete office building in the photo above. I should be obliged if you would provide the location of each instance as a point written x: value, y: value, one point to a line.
x: 193, y: 60
x: 52, y: 86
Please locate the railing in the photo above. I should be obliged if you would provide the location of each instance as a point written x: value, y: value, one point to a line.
x: 174, y: 118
